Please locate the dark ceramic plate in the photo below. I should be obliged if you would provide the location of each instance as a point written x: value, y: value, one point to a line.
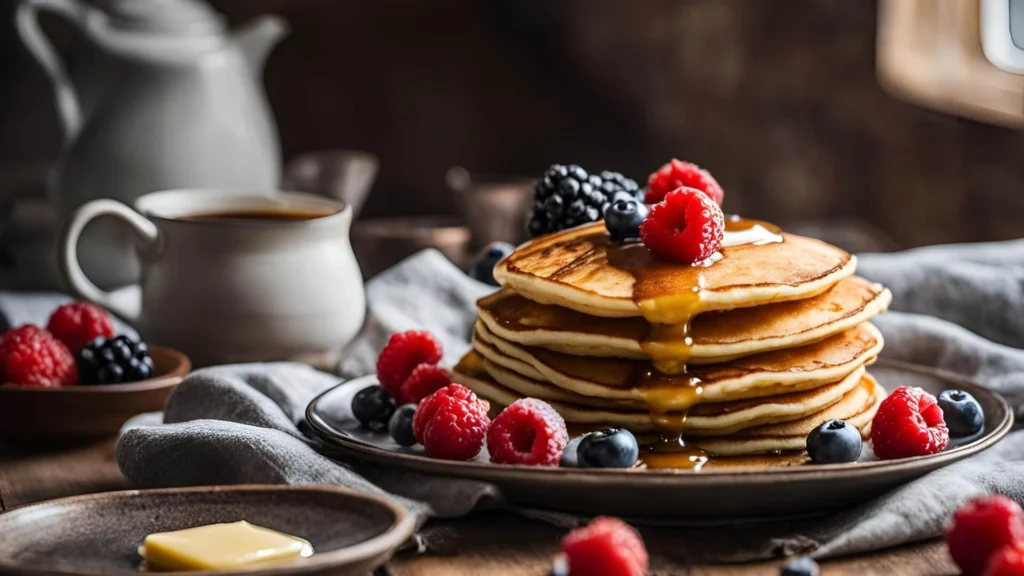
x: 75, y: 415
x: 677, y: 494
x: 99, y: 534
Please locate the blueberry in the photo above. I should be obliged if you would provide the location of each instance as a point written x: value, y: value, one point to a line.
x: 400, y: 425
x: 373, y: 407
x: 141, y: 350
x: 483, y: 268
x: 834, y: 442
x: 962, y: 413
x: 623, y: 219
x: 612, y: 448
x: 569, y: 456
x: 802, y: 566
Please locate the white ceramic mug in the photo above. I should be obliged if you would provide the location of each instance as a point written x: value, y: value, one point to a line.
x: 233, y: 290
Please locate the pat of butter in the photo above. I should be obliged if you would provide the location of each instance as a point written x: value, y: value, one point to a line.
x: 220, y: 546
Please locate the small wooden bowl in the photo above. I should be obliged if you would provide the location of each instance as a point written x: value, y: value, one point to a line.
x: 78, y: 415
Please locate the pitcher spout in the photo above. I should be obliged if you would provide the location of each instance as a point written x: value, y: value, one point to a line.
x: 258, y: 37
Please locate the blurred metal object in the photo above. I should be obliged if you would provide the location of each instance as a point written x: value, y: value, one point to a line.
x: 496, y: 208
x: 380, y: 243
x: 345, y: 175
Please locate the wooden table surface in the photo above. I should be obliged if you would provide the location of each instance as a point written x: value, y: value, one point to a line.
x: 486, y: 544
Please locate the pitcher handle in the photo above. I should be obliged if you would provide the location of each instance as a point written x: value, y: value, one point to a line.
x: 27, y: 21
x: 145, y: 231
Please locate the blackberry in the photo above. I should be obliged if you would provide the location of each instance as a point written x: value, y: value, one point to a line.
x: 567, y: 196
x: 113, y: 361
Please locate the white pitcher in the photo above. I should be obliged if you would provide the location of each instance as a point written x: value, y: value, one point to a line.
x: 164, y: 97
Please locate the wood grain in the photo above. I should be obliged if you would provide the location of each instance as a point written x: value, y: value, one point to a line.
x: 484, y: 544
x: 26, y: 478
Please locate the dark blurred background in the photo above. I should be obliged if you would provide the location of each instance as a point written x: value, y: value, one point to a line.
x: 779, y: 100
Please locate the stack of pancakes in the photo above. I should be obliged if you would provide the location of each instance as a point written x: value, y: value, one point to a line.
x: 741, y: 355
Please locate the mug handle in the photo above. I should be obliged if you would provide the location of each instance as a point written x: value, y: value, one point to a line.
x: 145, y: 231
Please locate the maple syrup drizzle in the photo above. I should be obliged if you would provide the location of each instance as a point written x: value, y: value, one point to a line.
x: 668, y: 389
x: 668, y: 341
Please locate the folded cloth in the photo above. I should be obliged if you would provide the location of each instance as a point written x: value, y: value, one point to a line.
x: 957, y: 308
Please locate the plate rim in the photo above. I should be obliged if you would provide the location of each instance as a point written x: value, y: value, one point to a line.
x: 401, y: 528
x: 477, y: 470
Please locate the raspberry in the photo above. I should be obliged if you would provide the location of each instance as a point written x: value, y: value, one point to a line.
x: 528, y: 431
x: 424, y: 381
x: 908, y: 423
x: 30, y: 356
x: 1008, y: 561
x: 982, y: 527
x: 402, y: 354
x: 80, y: 323
x: 17, y: 335
x: 678, y: 174
x: 606, y: 547
x: 685, y: 227
x: 451, y: 423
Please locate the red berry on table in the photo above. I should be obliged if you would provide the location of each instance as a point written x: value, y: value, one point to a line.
x: 424, y: 381
x: 982, y: 527
x: 32, y: 357
x: 528, y: 431
x: 402, y: 354
x: 677, y: 174
x: 1008, y: 561
x: 80, y: 323
x: 605, y: 547
x: 685, y: 227
x: 451, y: 423
x: 908, y: 423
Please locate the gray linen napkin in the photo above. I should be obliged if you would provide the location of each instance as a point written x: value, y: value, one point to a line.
x: 236, y: 424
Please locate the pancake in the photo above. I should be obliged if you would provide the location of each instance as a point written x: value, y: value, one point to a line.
x: 618, y: 382
x: 712, y: 418
x: 583, y: 269
x: 857, y: 408
x: 716, y: 337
